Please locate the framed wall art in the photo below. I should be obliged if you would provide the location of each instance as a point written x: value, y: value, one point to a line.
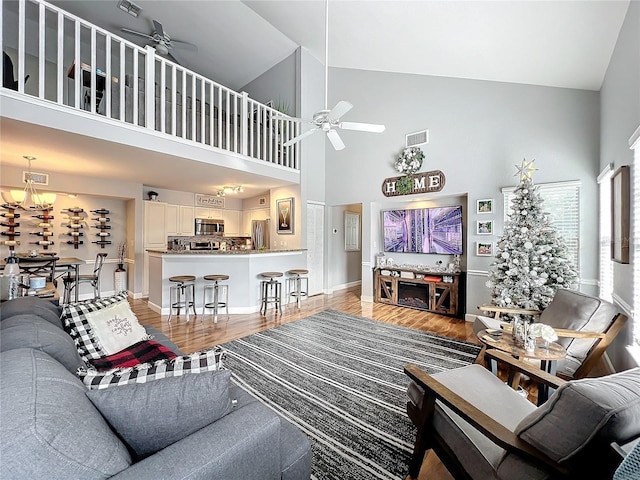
x: 620, y: 215
x: 484, y: 227
x: 484, y: 206
x: 284, y: 207
x: 484, y: 249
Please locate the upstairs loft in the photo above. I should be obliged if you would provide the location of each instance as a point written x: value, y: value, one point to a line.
x: 49, y: 80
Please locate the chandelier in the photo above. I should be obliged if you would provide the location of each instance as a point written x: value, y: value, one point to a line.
x: 29, y: 197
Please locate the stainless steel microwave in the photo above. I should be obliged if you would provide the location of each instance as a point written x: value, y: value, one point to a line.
x: 209, y: 226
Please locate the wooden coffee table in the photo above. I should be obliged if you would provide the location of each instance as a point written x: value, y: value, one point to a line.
x: 547, y: 354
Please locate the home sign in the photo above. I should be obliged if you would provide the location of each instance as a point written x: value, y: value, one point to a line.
x: 425, y: 182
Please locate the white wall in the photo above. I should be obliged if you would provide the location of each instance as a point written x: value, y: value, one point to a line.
x: 478, y: 131
x: 345, y: 268
x: 619, y: 118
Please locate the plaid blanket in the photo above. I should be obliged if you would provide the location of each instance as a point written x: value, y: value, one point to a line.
x: 146, y: 351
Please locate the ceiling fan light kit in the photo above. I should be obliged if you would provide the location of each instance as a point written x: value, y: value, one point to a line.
x: 329, y: 120
x: 161, y: 41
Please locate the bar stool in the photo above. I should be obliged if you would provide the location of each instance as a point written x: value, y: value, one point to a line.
x: 294, y: 284
x: 215, y: 288
x: 270, y: 291
x: 184, y: 287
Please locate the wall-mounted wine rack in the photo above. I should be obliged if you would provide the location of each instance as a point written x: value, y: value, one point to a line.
x: 75, y: 220
x: 46, y: 225
x: 9, y: 217
x: 103, y: 226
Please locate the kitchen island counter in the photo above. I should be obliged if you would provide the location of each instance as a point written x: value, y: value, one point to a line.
x: 223, y: 252
x: 242, y: 266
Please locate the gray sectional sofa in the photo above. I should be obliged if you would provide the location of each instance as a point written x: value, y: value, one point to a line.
x: 51, y: 428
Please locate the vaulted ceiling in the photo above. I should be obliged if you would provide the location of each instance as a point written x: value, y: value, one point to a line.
x: 554, y: 43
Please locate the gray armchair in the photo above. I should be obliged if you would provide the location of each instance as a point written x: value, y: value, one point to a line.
x: 482, y: 429
x: 585, y: 325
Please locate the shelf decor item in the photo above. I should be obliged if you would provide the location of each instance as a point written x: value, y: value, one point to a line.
x: 8, y: 219
x: 45, y: 224
x: 120, y: 274
x: 102, y: 220
x: 76, y: 219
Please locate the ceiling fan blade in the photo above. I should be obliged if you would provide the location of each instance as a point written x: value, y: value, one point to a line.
x: 184, y: 45
x: 133, y: 32
x: 173, y: 57
x: 363, y: 127
x: 340, y: 109
x: 335, y: 139
x: 288, y: 143
x: 157, y: 26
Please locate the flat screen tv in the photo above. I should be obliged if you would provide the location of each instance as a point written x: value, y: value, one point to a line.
x: 423, y: 230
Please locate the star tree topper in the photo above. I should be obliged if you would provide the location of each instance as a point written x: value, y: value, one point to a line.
x: 525, y: 170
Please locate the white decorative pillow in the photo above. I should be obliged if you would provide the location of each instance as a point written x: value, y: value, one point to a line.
x: 116, y: 327
x: 75, y: 323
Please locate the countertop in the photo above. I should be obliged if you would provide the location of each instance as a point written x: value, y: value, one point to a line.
x: 226, y: 252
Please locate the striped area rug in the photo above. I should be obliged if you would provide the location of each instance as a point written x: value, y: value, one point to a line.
x: 340, y: 379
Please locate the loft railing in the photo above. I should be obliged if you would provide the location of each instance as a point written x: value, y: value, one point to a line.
x: 55, y: 52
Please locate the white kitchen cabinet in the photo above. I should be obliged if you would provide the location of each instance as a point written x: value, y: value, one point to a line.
x: 179, y: 220
x: 204, y: 212
x: 231, y: 222
x: 187, y: 226
x: 155, y: 223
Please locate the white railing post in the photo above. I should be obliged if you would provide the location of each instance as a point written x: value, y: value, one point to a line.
x: 244, y: 123
x: 22, y: 58
x: 149, y: 87
x: 41, y: 54
x: 60, y: 66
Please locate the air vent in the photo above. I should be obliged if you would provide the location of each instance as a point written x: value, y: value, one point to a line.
x: 38, y: 178
x: 417, y: 138
x: 129, y: 7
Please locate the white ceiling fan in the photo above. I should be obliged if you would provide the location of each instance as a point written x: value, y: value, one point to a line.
x: 329, y: 120
x: 162, y: 42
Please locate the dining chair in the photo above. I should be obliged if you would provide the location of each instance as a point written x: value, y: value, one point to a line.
x: 93, y: 279
x: 41, y: 265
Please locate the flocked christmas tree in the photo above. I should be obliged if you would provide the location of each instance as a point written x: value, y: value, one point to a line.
x: 532, y: 260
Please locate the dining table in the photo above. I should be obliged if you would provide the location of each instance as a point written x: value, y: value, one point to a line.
x: 69, y: 266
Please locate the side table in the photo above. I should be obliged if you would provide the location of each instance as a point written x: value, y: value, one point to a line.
x: 548, y: 355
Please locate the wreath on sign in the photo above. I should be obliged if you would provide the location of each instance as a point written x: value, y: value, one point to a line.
x: 409, y: 161
x: 404, y: 185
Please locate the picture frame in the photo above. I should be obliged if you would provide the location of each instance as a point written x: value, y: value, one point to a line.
x: 262, y: 201
x: 484, y: 205
x: 484, y: 249
x: 284, y: 209
x: 484, y: 227
x: 620, y: 215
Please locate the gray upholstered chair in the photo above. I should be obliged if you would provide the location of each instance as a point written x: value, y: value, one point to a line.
x: 585, y: 326
x: 482, y: 429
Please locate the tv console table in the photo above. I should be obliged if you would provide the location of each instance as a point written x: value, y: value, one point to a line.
x: 437, y: 292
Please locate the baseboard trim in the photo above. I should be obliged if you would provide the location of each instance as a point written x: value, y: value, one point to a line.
x: 344, y: 286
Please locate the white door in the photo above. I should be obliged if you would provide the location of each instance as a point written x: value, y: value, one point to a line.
x: 315, y: 247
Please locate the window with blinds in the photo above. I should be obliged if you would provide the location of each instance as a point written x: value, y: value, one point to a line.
x: 635, y: 235
x: 606, y: 264
x: 561, y: 201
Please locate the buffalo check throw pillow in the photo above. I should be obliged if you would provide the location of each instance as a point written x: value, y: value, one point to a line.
x: 75, y: 318
x: 203, y: 361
